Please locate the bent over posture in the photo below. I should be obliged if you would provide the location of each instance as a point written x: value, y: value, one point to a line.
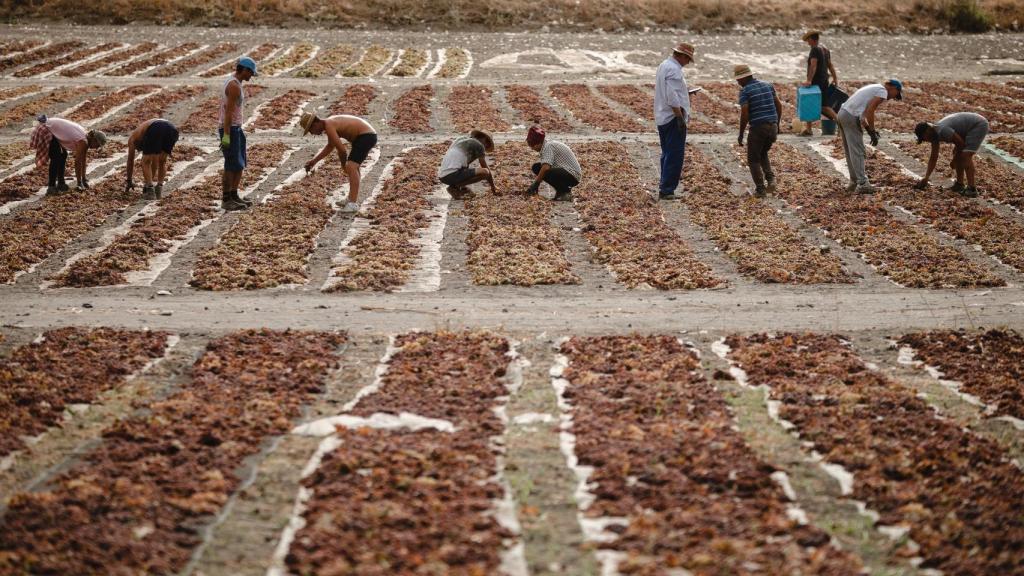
x: 857, y: 115
x: 455, y: 170
x: 360, y: 135
x: 52, y: 139
x: 558, y: 165
x: 155, y: 139
x: 966, y: 130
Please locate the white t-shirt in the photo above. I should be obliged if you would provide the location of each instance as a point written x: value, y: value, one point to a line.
x: 858, y: 103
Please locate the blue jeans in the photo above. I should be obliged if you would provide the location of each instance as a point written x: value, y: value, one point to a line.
x: 673, y: 152
x: 235, y: 157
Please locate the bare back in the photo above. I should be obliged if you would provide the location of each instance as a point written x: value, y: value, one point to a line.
x: 140, y: 131
x: 348, y: 127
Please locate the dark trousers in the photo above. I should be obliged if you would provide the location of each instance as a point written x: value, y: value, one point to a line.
x: 673, y: 153
x: 759, y: 141
x: 58, y: 163
x: 558, y: 178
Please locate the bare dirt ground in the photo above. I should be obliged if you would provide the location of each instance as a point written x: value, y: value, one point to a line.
x: 240, y: 536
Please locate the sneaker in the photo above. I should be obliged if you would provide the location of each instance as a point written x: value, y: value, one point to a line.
x: 807, y: 132
x: 865, y: 188
x: 563, y: 197
x: 771, y: 187
x: 957, y: 187
x: 51, y: 190
x: 851, y: 187
x: 230, y: 205
x: 759, y: 193
x: 969, y: 192
x: 457, y: 192
x: 62, y: 188
x: 669, y: 196
x: 159, y: 190
x: 349, y: 208
x: 148, y: 193
x: 234, y: 196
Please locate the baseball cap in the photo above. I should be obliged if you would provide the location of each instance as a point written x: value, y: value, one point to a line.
x: 247, y: 62
x: 898, y: 86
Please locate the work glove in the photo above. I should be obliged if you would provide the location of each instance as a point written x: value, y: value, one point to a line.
x: 225, y: 141
x: 921, y: 185
x: 533, y: 188
x: 873, y: 134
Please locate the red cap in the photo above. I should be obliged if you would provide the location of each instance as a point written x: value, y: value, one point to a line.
x: 535, y: 135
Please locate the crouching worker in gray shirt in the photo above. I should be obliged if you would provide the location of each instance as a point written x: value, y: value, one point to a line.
x: 455, y: 170
x: 966, y: 130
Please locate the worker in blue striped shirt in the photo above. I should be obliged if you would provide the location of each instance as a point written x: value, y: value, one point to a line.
x: 760, y: 107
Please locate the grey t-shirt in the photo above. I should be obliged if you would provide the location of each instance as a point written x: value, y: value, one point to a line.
x: 962, y: 123
x: 463, y: 152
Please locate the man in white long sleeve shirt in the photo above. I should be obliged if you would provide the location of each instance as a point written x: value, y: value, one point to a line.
x: 671, y: 114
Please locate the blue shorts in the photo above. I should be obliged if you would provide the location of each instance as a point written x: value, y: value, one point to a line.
x: 234, y: 156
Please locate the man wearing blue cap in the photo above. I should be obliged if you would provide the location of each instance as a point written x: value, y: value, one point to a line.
x: 858, y: 115
x: 232, y: 139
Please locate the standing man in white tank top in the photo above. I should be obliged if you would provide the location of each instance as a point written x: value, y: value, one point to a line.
x: 232, y: 139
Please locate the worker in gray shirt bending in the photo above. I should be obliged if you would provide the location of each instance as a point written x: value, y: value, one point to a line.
x: 966, y: 130
x: 455, y: 169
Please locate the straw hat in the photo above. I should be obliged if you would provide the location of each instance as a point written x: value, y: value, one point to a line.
x: 740, y: 71
x: 807, y: 35
x: 306, y: 121
x: 684, y: 48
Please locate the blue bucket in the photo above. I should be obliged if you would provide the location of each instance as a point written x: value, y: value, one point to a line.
x: 808, y: 103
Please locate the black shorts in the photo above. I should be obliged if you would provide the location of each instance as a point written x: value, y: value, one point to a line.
x: 361, y: 146
x: 459, y: 176
x: 160, y: 136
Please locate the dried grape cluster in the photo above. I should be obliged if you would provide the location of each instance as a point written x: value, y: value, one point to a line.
x: 532, y: 109
x: 270, y: 244
x: 412, y: 110
x: 258, y: 53
x: 1006, y: 114
x: 996, y: 181
x: 1010, y: 144
x: 176, y: 214
x: 1005, y: 90
x: 751, y: 233
x: 11, y: 46
x: 67, y: 366
x: 511, y: 239
x: 432, y: 491
x: 11, y: 152
x: 139, y: 502
x: 96, y: 107
x: 956, y: 491
x: 718, y: 110
x: 455, y: 63
x: 279, y: 112
x: 119, y: 56
x: 382, y: 256
x: 204, y: 119
x: 327, y: 62
x: 472, y: 107
x: 356, y: 100
x: 55, y: 49
x: 80, y: 54
x: 15, y: 92
x: 33, y: 234
x: 43, y: 103
x: 627, y: 229
x: 375, y: 57
x: 410, y: 63
x: 295, y: 55
x: 949, y: 212
x: 668, y: 459
x: 589, y: 109
x: 157, y: 59
x: 989, y: 365
x: 903, y: 252
x: 155, y: 106
x: 197, y: 59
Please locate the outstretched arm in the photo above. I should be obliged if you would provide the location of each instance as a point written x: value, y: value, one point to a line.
x: 130, y: 170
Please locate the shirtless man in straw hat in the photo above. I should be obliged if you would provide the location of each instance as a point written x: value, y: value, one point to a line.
x: 672, y: 114
x: 360, y: 135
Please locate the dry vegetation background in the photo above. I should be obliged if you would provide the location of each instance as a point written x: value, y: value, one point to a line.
x: 914, y: 16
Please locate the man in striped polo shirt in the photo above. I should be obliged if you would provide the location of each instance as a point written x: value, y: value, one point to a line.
x: 761, y: 108
x: 558, y: 166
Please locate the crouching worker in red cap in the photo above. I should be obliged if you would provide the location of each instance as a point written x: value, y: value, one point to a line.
x: 455, y: 170
x: 558, y: 166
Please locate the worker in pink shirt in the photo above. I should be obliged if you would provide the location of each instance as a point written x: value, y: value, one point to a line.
x: 52, y: 139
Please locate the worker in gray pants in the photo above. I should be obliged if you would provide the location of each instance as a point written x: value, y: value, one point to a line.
x: 856, y: 116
